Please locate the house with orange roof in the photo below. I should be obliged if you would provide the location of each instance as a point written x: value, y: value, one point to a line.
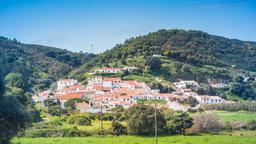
x: 40, y: 97
x: 72, y: 89
x: 69, y: 96
x: 83, y: 106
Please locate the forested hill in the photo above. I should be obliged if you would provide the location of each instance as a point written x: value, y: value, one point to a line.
x: 193, y: 47
x: 168, y: 55
x: 34, y: 67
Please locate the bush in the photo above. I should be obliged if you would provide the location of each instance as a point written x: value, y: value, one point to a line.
x: 71, y: 132
x: 141, y: 121
x: 118, y: 128
x: 79, y: 119
x: 251, y: 125
x: 205, y: 123
x: 233, y: 107
x: 178, y: 123
x: 190, y: 110
x: 238, y: 125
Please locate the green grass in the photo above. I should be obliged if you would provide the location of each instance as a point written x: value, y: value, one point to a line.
x: 233, y: 116
x: 236, y: 116
x: 207, y: 139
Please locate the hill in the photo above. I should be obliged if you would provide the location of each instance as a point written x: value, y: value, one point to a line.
x: 183, y: 55
x: 28, y: 68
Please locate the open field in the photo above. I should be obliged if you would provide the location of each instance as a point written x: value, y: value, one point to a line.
x: 236, y: 116
x: 233, y: 116
x: 205, y: 139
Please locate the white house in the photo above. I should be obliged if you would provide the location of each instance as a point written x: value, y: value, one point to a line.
x: 129, y: 69
x: 184, y: 84
x: 205, y: 99
x: 109, y: 70
x: 64, y: 83
x: 218, y: 85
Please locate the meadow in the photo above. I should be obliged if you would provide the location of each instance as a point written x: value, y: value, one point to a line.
x: 236, y: 116
x: 204, y: 139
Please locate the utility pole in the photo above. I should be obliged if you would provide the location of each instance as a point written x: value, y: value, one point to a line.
x: 101, y: 116
x: 92, y: 46
x: 156, y: 142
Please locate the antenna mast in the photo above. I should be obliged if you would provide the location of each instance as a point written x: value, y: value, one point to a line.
x: 92, y: 46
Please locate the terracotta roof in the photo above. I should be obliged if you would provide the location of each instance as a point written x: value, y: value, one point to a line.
x: 118, y: 69
x: 119, y: 102
x: 97, y: 87
x: 129, y: 91
x: 67, y: 80
x: 82, y: 105
x: 71, y: 96
x: 44, y: 94
x: 123, y: 96
x: 112, y: 79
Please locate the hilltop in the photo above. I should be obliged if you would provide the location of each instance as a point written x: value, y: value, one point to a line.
x: 168, y: 55
x: 29, y: 68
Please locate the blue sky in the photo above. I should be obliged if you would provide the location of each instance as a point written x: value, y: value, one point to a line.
x: 77, y: 24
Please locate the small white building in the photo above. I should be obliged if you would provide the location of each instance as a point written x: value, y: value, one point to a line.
x: 205, y: 99
x: 109, y: 70
x: 64, y: 83
x: 184, y: 84
x: 129, y: 69
x: 219, y: 85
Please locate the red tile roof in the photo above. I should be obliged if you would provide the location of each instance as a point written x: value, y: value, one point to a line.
x: 112, y: 79
x: 82, y: 105
x: 71, y: 96
x: 117, y: 69
x: 67, y: 80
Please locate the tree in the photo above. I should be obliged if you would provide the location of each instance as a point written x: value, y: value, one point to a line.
x: 53, y: 107
x: 13, y: 116
x: 14, y: 80
x: 140, y: 120
x: 71, y: 103
x: 154, y: 63
x: 206, y: 123
x: 118, y: 128
x: 179, y: 122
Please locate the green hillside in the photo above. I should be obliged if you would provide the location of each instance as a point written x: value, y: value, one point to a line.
x: 183, y: 55
x: 30, y: 68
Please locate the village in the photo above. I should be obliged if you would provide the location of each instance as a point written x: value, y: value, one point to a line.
x: 105, y: 93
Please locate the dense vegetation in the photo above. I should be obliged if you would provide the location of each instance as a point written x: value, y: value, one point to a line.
x: 205, y: 139
x: 31, y: 68
x: 167, y: 55
x: 13, y: 115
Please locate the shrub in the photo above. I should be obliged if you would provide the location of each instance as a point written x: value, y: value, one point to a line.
x: 206, y: 123
x: 71, y: 132
x: 140, y: 120
x: 238, y: 125
x: 118, y: 128
x: 238, y: 106
x: 79, y: 119
x: 179, y: 122
x: 190, y: 110
x: 251, y: 125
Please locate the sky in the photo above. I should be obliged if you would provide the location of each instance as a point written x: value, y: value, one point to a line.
x: 76, y: 25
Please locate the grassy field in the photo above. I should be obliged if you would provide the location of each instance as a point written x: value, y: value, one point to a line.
x: 236, y: 116
x: 206, y: 139
x: 233, y: 116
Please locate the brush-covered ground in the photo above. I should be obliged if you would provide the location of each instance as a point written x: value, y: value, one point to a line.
x: 240, y: 137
